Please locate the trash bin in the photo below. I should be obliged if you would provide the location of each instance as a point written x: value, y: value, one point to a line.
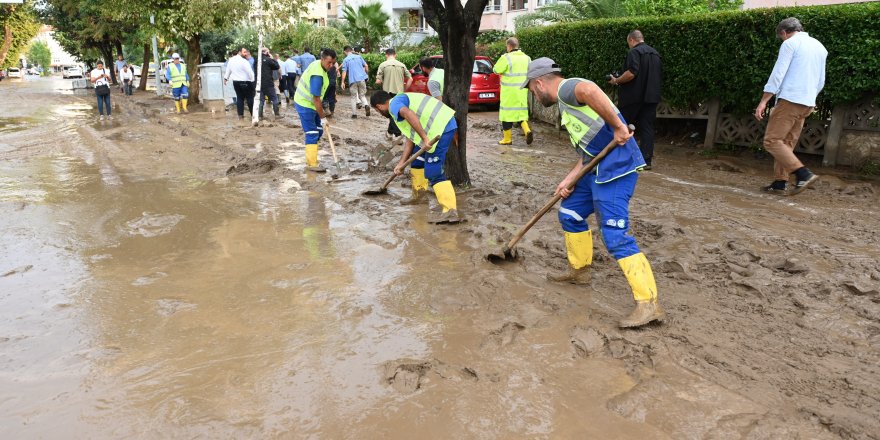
x: 212, y: 92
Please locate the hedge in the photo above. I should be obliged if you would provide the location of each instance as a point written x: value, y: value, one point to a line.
x: 728, y: 55
x: 409, y: 59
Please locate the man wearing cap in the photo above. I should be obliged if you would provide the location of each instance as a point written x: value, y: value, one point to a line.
x: 592, y: 121
x: 514, y: 106
x: 178, y: 79
x: 309, y: 93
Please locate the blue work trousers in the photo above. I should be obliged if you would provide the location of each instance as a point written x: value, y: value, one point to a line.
x: 610, y: 202
x: 435, y: 163
x: 311, y: 124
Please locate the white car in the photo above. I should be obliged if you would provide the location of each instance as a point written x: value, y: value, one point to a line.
x: 71, y: 72
x: 135, y: 70
x: 13, y: 72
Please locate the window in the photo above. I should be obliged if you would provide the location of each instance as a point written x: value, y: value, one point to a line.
x: 517, y: 5
x: 413, y: 21
x: 542, y: 3
x: 494, y: 5
x: 482, y: 66
x: 329, y: 7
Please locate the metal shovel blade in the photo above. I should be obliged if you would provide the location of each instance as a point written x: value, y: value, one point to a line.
x: 501, y: 256
x: 375, y: 192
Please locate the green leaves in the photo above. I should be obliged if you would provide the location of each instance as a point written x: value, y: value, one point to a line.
x: 369, y: 22
x: 728, y: 55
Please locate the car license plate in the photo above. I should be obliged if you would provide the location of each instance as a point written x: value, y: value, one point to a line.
x: 487, y: 95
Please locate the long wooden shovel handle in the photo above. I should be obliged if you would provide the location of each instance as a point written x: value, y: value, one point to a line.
x: 408, y: 162
x: 547, y: 206
x: 332, y: 147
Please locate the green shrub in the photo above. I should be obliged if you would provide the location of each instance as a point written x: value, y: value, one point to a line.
x: 493, y: 36
x: 493, y: 51
x: 728, y: 55
x: 328, y: 37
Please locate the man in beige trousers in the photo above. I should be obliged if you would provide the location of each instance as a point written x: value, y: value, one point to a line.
x: 797, y: 77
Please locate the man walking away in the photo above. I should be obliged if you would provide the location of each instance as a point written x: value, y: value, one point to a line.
x: 394, y: 78
x: 356, y: 71
x: 435, y: 77
x: 592, y: 122
x: 239, y: 71
x: 290, y: 67
x: 306, y: 59
x: 797, y: 77
x: 309, y: 95
x: 267, y: 83
x: 640, y: 91
x: 178, y: 80
x: 514, y: 106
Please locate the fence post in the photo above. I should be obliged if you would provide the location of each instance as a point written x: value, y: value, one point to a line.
x: 835, y: 129
x: 712, y: 123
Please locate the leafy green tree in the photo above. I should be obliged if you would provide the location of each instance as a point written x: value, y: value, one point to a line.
x: 39, y: 54
x: 19, y: 24
x: 369, y: 23
x: 327, y: 37
x: 290, y: 37
x: 571, y: 10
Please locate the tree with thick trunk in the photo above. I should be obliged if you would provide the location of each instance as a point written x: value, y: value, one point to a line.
x: 457, y: 26
x: 193, y: 59
x: 145, y: 67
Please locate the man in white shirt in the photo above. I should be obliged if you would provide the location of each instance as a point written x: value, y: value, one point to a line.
x: 798, y: 76
x: 239, y: 70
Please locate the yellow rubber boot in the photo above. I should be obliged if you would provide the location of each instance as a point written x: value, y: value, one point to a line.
x: 312, y: 159
x: 527, y: 132
x: 183, y: 101
x: 177, y: 105
x: 508, y: 138
x: 419, y: 187
x: 641, y: 279
x: 579, y: 247
x: 446, y: 197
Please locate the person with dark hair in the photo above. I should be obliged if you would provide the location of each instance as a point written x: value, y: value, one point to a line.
x: 514, y: 105
x: 290, y: 69
x: 308, y: 102
x: 306, y: 59
x: 329, y: 101
x: 435, y: 77
x: 640, y: 91
x: 356, y: 71
x: 100, y: 77
x: 796, y: 80
x: 421, y: 118
x: 394, y: 78
x: 593, y: 122
x: 267, y: 82
x: 238, y: 69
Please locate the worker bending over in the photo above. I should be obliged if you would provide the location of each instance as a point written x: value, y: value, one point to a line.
x: 309, y: 94
x: 592, y: 121
x: 420, y: 118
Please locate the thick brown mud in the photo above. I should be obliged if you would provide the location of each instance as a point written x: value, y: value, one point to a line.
x: 177, y: 276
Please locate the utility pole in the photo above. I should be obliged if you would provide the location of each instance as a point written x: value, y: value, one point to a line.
x: 258, y: 97
x: 146, y: 69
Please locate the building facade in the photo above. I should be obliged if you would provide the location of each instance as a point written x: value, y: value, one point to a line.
x: 499, y: 14
x: 407, y: 17
x: 60, y: 57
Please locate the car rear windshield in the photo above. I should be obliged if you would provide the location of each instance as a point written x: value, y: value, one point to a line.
x: 482, y: 66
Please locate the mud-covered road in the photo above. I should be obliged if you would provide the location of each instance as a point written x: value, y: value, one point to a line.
x: 166, y: 276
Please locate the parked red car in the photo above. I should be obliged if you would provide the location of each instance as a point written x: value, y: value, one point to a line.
x: 485, y: 85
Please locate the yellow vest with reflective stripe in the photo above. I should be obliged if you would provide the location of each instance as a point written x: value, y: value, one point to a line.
x: 303, y: 94
x: 513, y: 67
x: 581, y: 122
x: 433, y: 115
x: 178, y: 77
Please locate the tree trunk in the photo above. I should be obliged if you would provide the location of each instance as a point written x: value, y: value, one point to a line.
x: 457, y: 26
x: 145, y: 67
x: 193, y: 58
x: 7, y: 42
x: 107, y: 52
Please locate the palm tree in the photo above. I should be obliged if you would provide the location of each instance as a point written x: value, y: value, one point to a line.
x: 369, y: 22
x: 564, y: 11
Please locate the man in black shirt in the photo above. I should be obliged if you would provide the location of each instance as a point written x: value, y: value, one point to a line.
x: 267, y: 82
x: 640, y: 91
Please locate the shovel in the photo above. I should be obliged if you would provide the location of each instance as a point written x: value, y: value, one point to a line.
x: 336, y: 163
x: 384, y: 188
x: 508, y: 253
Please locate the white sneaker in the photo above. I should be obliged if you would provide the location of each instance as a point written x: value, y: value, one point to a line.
x: 101, y: 118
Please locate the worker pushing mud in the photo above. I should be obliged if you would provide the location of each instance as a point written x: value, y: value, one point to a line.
x: 308, y: 101
x: 420, y: 118
x: 592, y: 121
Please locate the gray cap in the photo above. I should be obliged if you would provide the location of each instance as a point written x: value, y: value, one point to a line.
x: 539, y: 68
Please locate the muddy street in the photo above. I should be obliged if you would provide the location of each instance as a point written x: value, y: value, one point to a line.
x: 182, y: 276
